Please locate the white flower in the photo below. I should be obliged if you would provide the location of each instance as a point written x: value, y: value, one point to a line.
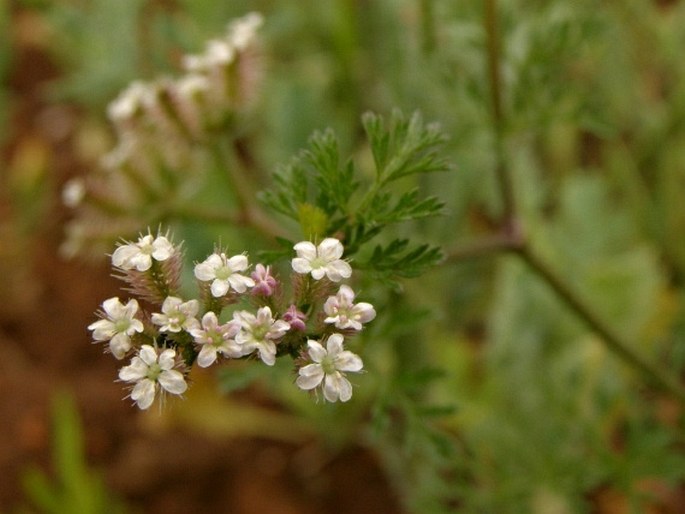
x: 259, y: 332
x: 321, y: 260
x: 117, y: 325
x: 344, y: 313
x: 177, y: 315
x: 329, y: 366
x: 139, y: 255
x: 215, y: 339
x: 73, y: 192
x: 151, y: 371
x: 129, y: 101
x: 224, y: 273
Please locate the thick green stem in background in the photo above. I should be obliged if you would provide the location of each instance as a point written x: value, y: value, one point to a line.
x: 511, y: 238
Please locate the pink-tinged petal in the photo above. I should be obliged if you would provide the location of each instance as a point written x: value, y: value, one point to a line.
x: 318, y: 273
x: 301, y: 265
x: 147, y: 354
x: 348, y: 361
x: 365, y: 312
x: 240, y: 283
x: 190, y: 308
x: 330, y: 249
x: 346, y: 292
x: 337, y: 270
x: 172, y: 381
x: 210, y: 321
x: 135, y: 371
x: 119, y: 345
x: 238, y: 263
x: 122, y: 256
x: 334, y: 345
x: 316, y: 351
x: 311, y: 376
x: 219, y: 288
x: 166, y: 359
x: 144, y: 393
x: 207, y: 356
x: 305, y: 250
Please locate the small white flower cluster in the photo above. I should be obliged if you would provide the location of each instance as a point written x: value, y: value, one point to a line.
x: 159, y: 126
x: 165, y: 344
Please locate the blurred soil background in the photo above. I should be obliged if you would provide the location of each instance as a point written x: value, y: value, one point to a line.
x: 45, y: 307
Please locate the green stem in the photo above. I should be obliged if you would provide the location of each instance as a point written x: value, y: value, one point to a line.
x: 611, y: 339
x: 249, y: 213
x: 497, y: 113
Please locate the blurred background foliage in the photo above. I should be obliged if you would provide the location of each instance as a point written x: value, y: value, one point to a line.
x: 483, y: 391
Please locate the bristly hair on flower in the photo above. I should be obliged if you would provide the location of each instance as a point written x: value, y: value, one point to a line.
x: 151, y: 266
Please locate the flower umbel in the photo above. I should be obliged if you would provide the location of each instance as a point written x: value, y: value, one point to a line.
x: 322, y: 260
x: 177, y: 315
x: 329, y: 367
x: 216, y: 339
x: 224, y: 273
x: 139, y: 255
x: 152, y: 372
x: 260, y: 333
x: 344, y: 313
x: 117, y: 325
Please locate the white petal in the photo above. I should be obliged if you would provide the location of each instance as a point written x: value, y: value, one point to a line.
x: 171, y: 304
x: 318, y: 273
x: 166, y: 359
x: 346, y: 292
x: 122, y: 256
x: 238, y: 263
x: 305, y: 250
x: 219, y: 288
x: 301, y: 265
x: 134, y: 371
x: 114, y: 308
x: 147, y: 354
x: 204, y: 271
x: 311, y: 376
x: 267, y: 352
x: 337, y: 270
x: 135, y: 326
x: 163, y: 249
x: 316, y: 351
x: 119, y: 345
x: 334, y: 345
x: 336, y: 386
x: 103, y: 330
x: 141, y: 261
x: 207, y: 356
x: 144, y: 393
x: 173, y: 381
x: 210, y: 321
x: 330, y: 249
x: 240, y: 283
x: 348, y: 361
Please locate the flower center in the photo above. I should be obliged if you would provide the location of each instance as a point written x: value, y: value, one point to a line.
x: 122, y: 325
x: 259, y: 332
x: 153, y: 371
x: 318, y: 262
x: 328, y: 365
x: 223, y: 272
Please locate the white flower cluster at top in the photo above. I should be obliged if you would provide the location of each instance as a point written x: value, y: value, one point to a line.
x: 309, y: 322
x: 159, y: 126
